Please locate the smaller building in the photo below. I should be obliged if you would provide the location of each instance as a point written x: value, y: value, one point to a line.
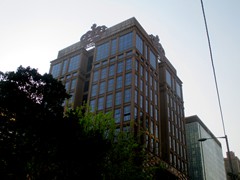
x: 205, y: 158
x: 235, y: 165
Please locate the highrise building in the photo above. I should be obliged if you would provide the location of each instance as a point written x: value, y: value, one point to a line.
x: 124, y: 70
x: 235, y: 165
x: 205, y: 158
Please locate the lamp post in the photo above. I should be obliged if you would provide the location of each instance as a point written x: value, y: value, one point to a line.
x: 228, y: 152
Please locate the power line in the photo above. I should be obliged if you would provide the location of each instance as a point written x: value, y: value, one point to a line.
x: 213, y: 68
x: 218, y: 95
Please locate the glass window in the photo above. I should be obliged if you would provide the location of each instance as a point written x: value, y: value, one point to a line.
x: 114, y: 46
x: 141, y: 70
x: 155, y: 85
x: 151, y: 112
x: 111, y: 70
x: 136, y: 65
x: 128, y: 79
x: 136, y: 80
x: 93, y: 104
x: 135, y: 113
x: 104, y: 73
x: 102, y: 87
x: 156, y: 114
x: 127, y: 114
x: 146, y: 106
x: 147, y: 140
x: 128, y: 53
x: 139, y: 43
x: 102, y: 51
x: 109, y: 101
x: 146, y: 90
x: 100, y: 103
x: 67, y: 86
x: 125, y: 41
x: 94, y: 90
x: 136, y: 97
x: 141, y: 101
x: 126, y: 129
x: 151, y: 79
x: 146, y: 76
x: 146, y: 51
x: 153, y: 60
x: 112, y: 59
x: 141, y: 84
x: 97, y: 65
x: 128, y: 64
x: 178, y: 90
x: 157, y: 148
x: 120, y: 67
x: 64, y: 70
x: 117, y: 115
x: 86, y: 86
x: 119, y: 82
x: 120, y: 56
x: 127, y: 95
x: 73, y: 84
x: 156, y: 99
x: 147, y: 121
x: 151, y: 127
x: 95, y: 76
x: 118, y: 98
x: 151, y: 95
x: 110, y: 84
x: 104, y: 62
x: 74, y: 63
x: 168, y: 78
x: 56, y: 70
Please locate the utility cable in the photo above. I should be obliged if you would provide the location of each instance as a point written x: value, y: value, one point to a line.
x: 232, y: 176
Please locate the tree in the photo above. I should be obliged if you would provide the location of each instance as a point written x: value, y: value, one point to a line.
x: 126, y: 159
x: 30, y: 106
x: 39, y: 141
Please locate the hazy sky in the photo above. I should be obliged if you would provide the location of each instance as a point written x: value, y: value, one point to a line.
x: 32, y: 33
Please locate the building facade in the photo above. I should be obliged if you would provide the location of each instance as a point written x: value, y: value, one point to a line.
x: 235, y: 165
x: 205, y: 158
x: 124, y: 70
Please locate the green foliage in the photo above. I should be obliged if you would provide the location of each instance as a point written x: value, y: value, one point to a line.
x: 30, y: 106
x: 90, y: 121
x: 126, y: 159
x: 37, y: 141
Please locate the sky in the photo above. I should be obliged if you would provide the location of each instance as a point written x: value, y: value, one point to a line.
x: 32, y: 33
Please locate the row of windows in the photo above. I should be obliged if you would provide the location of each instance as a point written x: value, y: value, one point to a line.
x: 65, y: 66
x: 178, y: 163
x: 176, y: 147
x: 152, y: 57
x: 149, y: 107
x: 120, y: 98
x: 173, y: 84
x: 151, y: 127
x: 112, y: 70
x: 176, y: 132
x: 112, y: 59
x: 70, y: 85
x: 148, y: 75
x: 124, y: 42
x: 152, y: 145
x: 139, y: 43
x: 177, y: 121
x: 108, y: 86
x: 174, y: 104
